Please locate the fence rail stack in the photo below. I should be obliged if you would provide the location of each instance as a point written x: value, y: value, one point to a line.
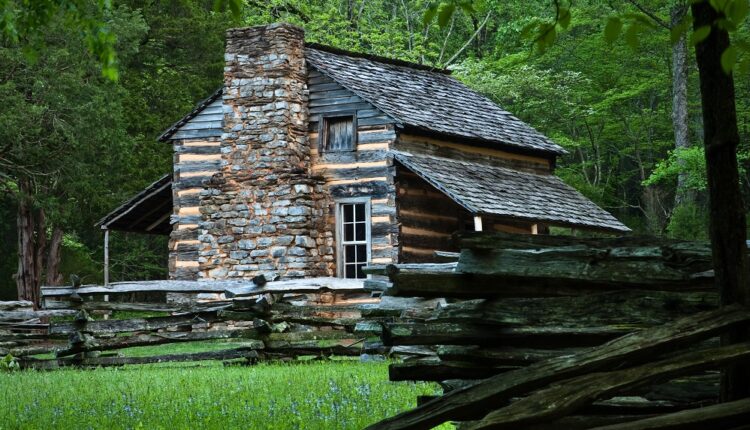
x: 544, y: 332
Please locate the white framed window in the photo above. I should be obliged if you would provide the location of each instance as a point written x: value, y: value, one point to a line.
x: 352, y: 237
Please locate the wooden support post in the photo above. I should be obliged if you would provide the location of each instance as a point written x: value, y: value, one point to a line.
x: 534, y: 228
x: 477, y: 223
x: 106, y: 257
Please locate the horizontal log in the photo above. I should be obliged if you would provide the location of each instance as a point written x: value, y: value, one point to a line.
x: 569, y: 396
x: 16, y: 305
x: 499, y: 240
x: 237, y: 288
x: 309, y: 285
x: 136, y: 306
x: 578, y: 265
x: 438, y: 370
x: 395, y: 306
x: 459, y: 333
x: 134, y: 324
x: 297, y: 349
x: 422, y: 268
x: 475, y: 401
x: 421, y: 283
x: 30, y: 315
x: 157, y: 339
x: 228, y: 354
x: 626, y: 309
x: 500, y: 356
x: 734, y: 414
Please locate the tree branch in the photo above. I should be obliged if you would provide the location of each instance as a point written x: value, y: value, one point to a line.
x: 650, y: 14
x: 468, y: 42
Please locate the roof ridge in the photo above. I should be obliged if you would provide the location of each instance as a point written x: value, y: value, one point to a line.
x: 377, y: 58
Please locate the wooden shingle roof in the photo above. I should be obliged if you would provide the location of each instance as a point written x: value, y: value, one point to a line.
x: 490, y: 190
x: 146, y: 212
x: 427, y: 100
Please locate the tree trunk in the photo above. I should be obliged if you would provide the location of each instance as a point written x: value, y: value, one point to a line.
x: 727, y: 212
x: 29, y: 264
x: 680, y: 117
x: 54, y: 277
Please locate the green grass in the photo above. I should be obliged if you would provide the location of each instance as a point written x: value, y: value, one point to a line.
x: 315, y: 395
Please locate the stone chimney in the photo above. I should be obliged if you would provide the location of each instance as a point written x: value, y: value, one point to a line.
x: 258, y: 211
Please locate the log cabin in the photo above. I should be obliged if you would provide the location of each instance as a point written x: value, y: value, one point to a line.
x: 313, y: 161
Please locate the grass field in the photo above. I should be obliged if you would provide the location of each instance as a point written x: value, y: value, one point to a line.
x: 313, y: 395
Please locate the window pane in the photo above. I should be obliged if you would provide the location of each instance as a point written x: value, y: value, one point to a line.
x: 360, y: 212
x: 340, y: 133
x: 348, y: 213
x: 348, y: 232
x: 350, y: 254
x: 360, y: 273
x: 351, y: 271
x: 361, y: 230
x: 361, y: 253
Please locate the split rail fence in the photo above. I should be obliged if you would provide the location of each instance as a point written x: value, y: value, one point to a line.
x: 276, y: 320
x: 542, y: 332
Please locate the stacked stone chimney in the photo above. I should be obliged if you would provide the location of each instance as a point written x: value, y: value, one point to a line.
x: 258, y: 212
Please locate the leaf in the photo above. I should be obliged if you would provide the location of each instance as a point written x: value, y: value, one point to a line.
x: 737, y: 11
x: 719, y: 5
x: 446, y: 12
x: 467, y: 7
x: 564, y: 19
x: 631, y: 35
x: 699, y: 35
x: 728, y: 59
x: 612, y: 29
x: 430, y: 13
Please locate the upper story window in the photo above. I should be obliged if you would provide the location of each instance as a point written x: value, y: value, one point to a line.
x: 338, y: 133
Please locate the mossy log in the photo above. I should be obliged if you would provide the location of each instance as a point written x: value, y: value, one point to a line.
x: 477, y: 400
x: 571, y: 395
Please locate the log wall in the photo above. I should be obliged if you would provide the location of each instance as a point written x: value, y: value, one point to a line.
x: 364, y: 172
x: 195, y: 161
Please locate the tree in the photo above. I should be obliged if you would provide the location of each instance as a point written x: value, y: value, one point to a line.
x: 51, y: 132
x: 716, y: 57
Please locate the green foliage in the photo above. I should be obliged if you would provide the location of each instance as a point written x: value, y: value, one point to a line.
x: 691, y: 161
x: 688, y: 222
x: 332, y: 395
x: 22, y: 21
x: 9, y: 364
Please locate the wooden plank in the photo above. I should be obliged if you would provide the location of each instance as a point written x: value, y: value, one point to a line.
x: 135, y: 306
x: 721, y: 416
x: 211, y: 121
x: 626, y: 309
x: 30, y: 315
x: 308, y: 285
x: 432, y: 370
x: 580, y: 265
x: 213, y: 149
x: 228, y: 354
x: 134, y: 324
x: 16, y: 305
x: 462, y: 333
x: 571, y: 395
x: 156, y: 339
x: 475, y: 401
x: 193, y: 134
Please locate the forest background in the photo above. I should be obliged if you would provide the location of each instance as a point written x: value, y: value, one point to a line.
x: 74, y: 144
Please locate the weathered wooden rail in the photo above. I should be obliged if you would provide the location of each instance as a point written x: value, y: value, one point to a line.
x: 542, y: 332
x: 278, y: 320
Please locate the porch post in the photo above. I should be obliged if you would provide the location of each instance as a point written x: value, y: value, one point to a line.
x: 477, y: 223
